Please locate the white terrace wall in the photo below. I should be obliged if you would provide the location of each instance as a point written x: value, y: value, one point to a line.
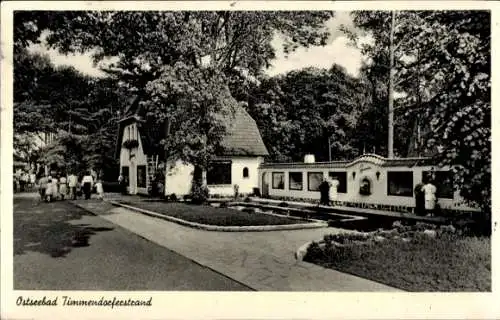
x: 132, y: 158
x: 356, y: 172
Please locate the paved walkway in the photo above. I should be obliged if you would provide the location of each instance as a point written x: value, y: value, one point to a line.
x: 60, y: 247
x: 264, y: 261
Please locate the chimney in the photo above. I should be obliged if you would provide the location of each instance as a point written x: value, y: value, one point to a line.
x: 309, y: 158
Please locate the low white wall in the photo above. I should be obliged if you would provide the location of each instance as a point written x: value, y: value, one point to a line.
x: 379, y: 189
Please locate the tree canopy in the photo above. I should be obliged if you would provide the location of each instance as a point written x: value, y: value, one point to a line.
x: 187, y: 52
x: 299, y: 112
x: 442, y: 65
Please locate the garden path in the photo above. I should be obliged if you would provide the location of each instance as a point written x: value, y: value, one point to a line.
x: 264, y: 261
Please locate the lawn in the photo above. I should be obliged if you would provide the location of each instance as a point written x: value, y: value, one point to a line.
x: 448, y: 263
x: 212, y: 216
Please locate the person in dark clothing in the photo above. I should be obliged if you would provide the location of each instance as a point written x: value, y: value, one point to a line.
x: 87, y: 184
x: 324, y: 189
x: 419, y: 199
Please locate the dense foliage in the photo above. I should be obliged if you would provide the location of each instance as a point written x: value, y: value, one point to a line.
x: 81, y: 111
x: 186, y: 52
x: 298, y: 113
x: 442, y: 65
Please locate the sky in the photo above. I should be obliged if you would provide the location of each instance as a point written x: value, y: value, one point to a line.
x: 336, y: 51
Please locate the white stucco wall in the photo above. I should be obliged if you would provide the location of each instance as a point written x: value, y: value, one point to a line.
x: 379, y: 192
x: 246, y: 185
x: 179, y: 177
x: 138, y: 159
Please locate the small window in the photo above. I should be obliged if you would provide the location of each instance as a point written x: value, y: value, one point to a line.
x: 295, y: 180
x: 314, y: 179
x: 278, y: 180
x: 400, y: 183
x: 342, y: 178
x: 245, y: 172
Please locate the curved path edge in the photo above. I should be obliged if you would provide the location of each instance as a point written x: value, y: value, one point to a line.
x: 208, y: 227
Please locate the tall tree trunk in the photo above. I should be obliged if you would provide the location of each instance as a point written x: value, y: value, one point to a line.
x: 390, y: 142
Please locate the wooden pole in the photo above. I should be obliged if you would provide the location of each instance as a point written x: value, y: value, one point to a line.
x: 390, y: 142
x: 329, y: 150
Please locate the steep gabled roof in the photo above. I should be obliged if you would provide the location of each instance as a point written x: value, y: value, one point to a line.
x: 243, y: 136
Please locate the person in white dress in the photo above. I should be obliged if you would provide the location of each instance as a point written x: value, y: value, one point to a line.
x: 334, y: 184
x: 99, y: 189
x: 430, y: 197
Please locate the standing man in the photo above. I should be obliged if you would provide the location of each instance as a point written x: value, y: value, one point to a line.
x: 72, y: 181
x: 430, y: 197
x: 420, y: 198
x: 324, y: 189
x: 87, y: 184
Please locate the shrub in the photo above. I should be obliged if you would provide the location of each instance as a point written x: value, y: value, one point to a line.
x: 199, y: 193
x: 223, y: 204
x: 247, y: 199
x: 173, y: 197
x: 314, y: 253
x: 130, y: 144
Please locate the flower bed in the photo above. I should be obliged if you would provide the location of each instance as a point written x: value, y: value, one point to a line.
x: 414, y: 258
x: 209, y: 215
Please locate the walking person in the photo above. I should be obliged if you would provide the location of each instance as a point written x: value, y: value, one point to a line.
x: 23, y: 179
x: 334, y: 185
x: 430, y: 197
x: 49, y: 190
x: 43, y: 187
x: 32, y: 176
x: 63, y: 187
x: 72, y: 182
x: 99, y: 189
x: 87, y: 185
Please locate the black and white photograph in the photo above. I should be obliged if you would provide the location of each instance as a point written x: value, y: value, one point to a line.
x: 238, y: 149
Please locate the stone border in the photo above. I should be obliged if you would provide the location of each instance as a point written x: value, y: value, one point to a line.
x: 207, y: 227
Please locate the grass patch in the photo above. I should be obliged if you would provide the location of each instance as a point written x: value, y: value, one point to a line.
x: 447, y: 263
x: 213, y: 216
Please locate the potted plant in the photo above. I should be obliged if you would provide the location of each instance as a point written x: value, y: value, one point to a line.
x: 131, y: 144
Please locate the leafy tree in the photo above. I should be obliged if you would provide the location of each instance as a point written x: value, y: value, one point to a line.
x: 442, y: 64
x: 299, y: 113
x: 155, y: 48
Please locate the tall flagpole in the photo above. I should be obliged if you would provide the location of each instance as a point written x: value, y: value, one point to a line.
x: 390, y: 143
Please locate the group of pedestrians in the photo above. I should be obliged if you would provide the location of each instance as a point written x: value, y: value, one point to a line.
x: 24, y: 181
x: 63, y: 186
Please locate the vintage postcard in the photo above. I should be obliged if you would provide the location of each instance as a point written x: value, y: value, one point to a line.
x: 248, y: 159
